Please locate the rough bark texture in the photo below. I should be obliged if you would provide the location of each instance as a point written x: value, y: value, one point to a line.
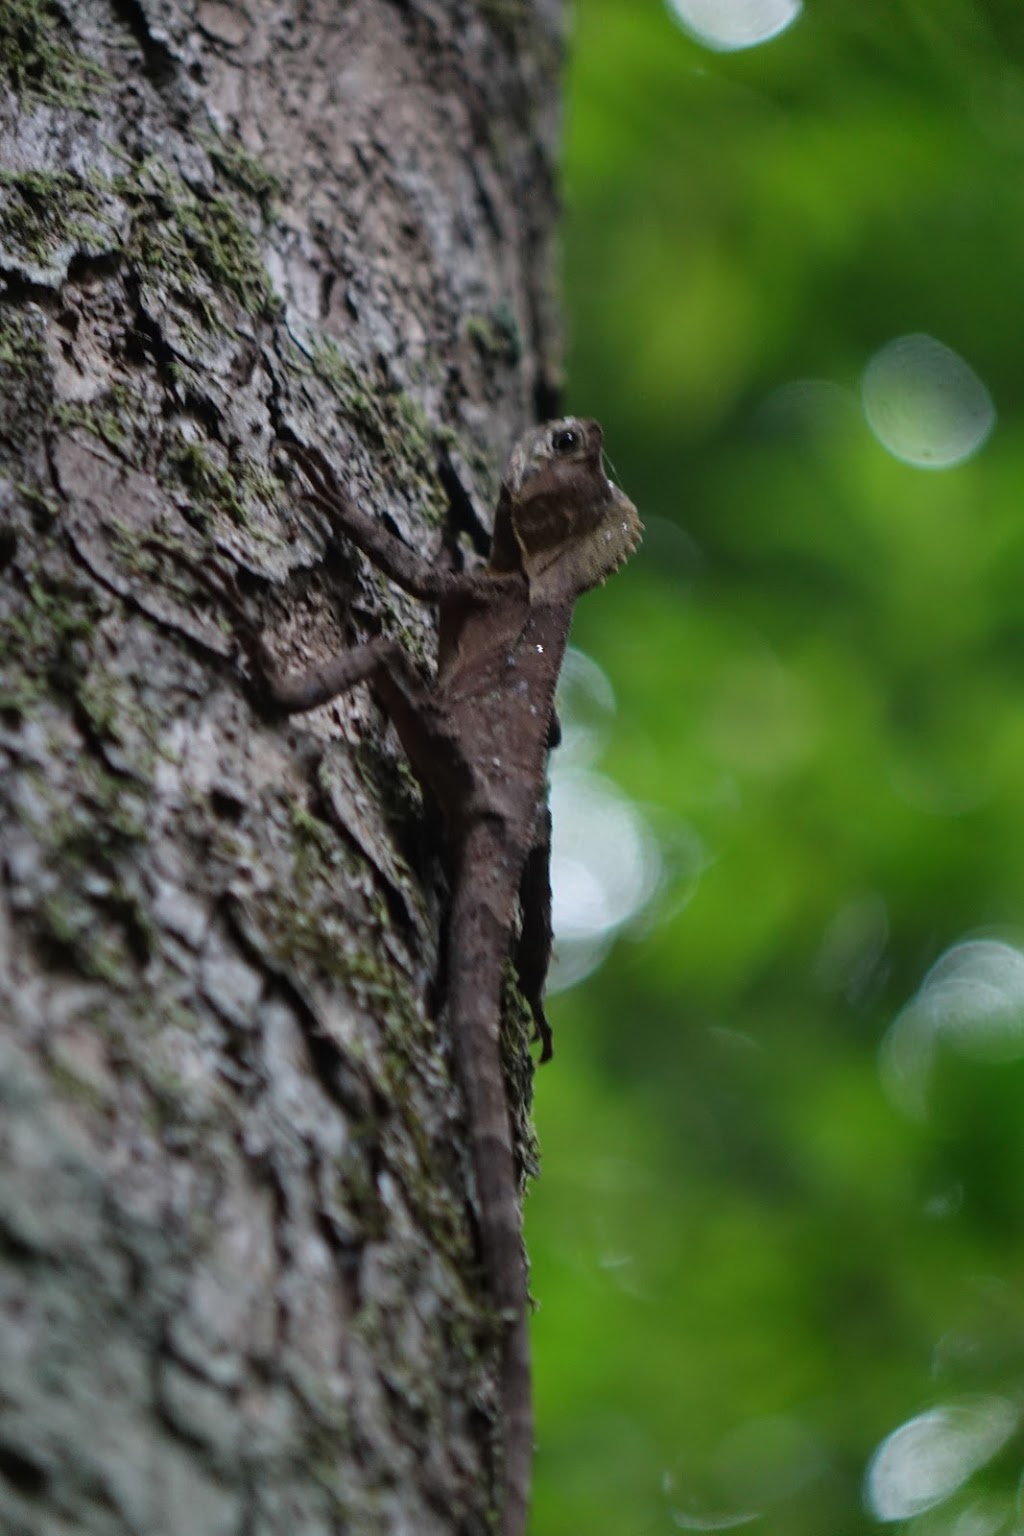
x: 239, y: 1291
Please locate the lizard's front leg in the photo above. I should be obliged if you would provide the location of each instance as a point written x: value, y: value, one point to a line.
x: 296, y: 692
x: 384, y: 664
x: 407, y: 568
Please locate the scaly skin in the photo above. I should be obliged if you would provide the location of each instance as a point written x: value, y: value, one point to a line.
x: 478, y: 741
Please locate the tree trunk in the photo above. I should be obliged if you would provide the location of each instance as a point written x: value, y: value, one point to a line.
x: 239, y: 1289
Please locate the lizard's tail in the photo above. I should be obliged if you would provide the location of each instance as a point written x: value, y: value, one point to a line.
x: 502, y: 1244
x: 485, y: 895
x: 515, y: 1391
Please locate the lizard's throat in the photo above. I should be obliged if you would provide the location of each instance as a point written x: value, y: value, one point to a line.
x: 586, y: 555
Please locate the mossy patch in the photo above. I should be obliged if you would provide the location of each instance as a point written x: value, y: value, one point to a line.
x: 89, y: 911
x: 241, y: 170
x: 208, y: 483
x: 45, y: 508
x: 188, y: 251
x: 38, y: 62
x: 39, y: 627
x: 115, y: 417
x: 390, y: 420
x: 22, y: 350
x: 497, y: 336
x: 43, y: 213
x: 195, y: 243
x: 26, y: 386
x: 240, y: 490
x: 192, y: 239
x: 308, y: 927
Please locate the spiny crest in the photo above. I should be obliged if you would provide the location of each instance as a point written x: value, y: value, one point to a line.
x: 571, y: 526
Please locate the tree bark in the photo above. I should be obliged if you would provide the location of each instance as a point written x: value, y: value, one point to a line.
x: 239, y: 1288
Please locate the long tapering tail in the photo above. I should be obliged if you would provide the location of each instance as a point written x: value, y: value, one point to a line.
x: 517, y: 1398
x: 485, y: 896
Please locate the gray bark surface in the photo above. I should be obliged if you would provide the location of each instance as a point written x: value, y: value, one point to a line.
x: 239, y: 1286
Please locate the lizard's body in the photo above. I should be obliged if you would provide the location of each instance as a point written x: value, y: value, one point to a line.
x: 500, y: 703
x: 478, y: 740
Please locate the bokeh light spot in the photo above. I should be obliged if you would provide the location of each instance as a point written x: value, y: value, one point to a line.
x: 972, y: 998
x: 605, y: 867
x: 926, y: 1460
x: 727, y: 25
x: 689, y: 1512
x: 605, y: 861
x: 586, y: 707
x: 764, y: 1461
x: 812, y: 408
x: 924, y: 404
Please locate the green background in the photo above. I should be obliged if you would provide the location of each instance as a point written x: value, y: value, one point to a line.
x: 752, y: 1265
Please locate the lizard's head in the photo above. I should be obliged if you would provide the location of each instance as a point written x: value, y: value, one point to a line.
x: 559, y: 518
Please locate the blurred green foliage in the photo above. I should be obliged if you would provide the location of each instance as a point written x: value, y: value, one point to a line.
x: 753, y: 1266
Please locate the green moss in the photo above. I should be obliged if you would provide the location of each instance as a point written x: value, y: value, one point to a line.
x: 107, y: 821
x: 44, y: 508
x: 181, y: 1016
x: 26, y: 388
x: 310, y: 831
x: 497, y: 335
x: 375, y: 986
x: 172, y: 1102
x: 22, y: 350
x: 67, y: 612
x: 389, y: 419
x: 69, y: 924
x: 389, y: 777
x: 93, y: 823
x: 42, y: 211
x: 38, y: 627
x: 19, y: 695
x: 242, y: 170
x: 153, y: 554
x: 114, y: 417
x: 166, y: 230
x: 190, y: 462
x: 112, y: 712
x: 307, y: 929
x: 192, y: 249
x: 347, y: 383
x: 36, y: 60
x: 185, y: 237
x: 123, y: 421
x: 478, y: 329
x: 101, y: 706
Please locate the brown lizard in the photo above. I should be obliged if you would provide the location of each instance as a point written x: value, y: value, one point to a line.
x: 477, y: 739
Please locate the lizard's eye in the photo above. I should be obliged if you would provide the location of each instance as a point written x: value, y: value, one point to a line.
x: 565, y: 440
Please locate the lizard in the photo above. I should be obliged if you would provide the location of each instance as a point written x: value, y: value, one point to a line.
x: 477, y: 738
